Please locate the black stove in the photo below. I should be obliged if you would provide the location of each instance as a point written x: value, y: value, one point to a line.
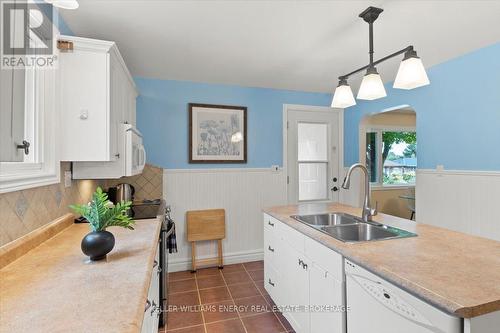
x: 145, y: 210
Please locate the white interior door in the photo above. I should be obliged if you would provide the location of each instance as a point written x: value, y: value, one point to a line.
x: 313, y: 154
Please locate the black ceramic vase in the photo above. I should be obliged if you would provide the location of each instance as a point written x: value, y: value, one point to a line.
x: 97, y: 244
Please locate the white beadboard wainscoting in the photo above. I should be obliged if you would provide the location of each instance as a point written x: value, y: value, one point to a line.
x: 465, y: 201
x: 242, y: 192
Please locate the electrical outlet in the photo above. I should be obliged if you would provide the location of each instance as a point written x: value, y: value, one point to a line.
x: 67, y: 178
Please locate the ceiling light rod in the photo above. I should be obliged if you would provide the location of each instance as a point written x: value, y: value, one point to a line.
x: 370, y: 15
x: 392, y: 55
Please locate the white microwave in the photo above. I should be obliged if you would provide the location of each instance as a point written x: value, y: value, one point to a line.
x: 135, y: 154
x: 130, y: 160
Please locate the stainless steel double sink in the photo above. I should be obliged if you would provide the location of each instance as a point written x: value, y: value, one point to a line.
x: 350, y: 228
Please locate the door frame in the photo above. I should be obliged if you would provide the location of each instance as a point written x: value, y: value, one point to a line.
x: 312, y: 108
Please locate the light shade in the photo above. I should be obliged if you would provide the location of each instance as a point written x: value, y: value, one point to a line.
x: 64, y: 4
x: 343, y: 97
x: 411, y: 74
x: 372, y: 86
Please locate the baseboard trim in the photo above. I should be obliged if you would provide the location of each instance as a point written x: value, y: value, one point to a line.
x: 183, y: 264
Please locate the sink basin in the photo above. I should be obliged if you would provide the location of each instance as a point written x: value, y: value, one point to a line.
x: 361, y: 232
x: 350, y: 228
x: 327, y: 219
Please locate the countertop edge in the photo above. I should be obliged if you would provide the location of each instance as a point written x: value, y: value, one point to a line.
x: 457, y: 310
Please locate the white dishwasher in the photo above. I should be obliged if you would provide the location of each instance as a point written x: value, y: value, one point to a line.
x: 377, y: 306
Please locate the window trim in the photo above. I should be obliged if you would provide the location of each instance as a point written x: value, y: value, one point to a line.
x: 378, y: 129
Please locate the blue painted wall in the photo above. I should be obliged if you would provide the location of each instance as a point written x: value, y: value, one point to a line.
x: 162, y: 117
x: 458, y: 114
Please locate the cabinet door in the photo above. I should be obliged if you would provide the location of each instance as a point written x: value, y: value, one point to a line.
x: 84, y: 83
x: 326, y: 300
x: 295, y: 279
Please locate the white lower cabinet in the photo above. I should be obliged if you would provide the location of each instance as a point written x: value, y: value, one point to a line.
x: 324, y: 294
x: 304, y: 278
x: 152, y: 306
x: 295, y: 270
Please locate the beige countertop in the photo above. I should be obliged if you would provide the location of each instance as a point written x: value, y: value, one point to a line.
x: 456, y: 272
x: 55, y: 288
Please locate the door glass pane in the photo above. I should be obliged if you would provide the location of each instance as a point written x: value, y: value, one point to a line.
x: 371, y: 155
x: 312, y: 181
x: 312, y: 139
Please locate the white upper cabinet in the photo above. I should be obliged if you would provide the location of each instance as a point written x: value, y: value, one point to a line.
x: 97, y: 95
x: 29, y: 115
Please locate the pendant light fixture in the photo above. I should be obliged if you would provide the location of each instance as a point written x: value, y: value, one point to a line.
x: 372, y: 86
x: 411, y: 73
x: 343, y: 97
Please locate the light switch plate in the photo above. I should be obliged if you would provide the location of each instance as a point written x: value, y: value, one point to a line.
x: 67, y: 178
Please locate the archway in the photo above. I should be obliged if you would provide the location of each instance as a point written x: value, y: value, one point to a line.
x: 388, y: 147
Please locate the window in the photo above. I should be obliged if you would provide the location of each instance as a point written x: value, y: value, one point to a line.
x: 313, y: 161
x: 391, y: 156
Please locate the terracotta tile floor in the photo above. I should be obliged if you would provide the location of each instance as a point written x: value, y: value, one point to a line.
x: 230, y: 300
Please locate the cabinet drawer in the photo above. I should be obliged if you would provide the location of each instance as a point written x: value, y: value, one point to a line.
x: 325, y: 258
x: 272, y: 248
x: 272, y: 282
x: 271, y: 224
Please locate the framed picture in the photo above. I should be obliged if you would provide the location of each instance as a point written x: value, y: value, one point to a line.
x: 217, y: 133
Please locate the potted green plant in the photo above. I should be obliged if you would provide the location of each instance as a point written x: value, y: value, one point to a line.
x: 101, y: 214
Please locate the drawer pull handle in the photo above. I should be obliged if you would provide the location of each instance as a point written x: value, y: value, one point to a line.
x: 148, y: 305
x: 270, y: 248
x: 154, y: 308
x: 271, y: 282
x: 271, y: 224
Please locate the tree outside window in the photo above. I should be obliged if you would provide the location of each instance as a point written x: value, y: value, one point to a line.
x: 391, y: 156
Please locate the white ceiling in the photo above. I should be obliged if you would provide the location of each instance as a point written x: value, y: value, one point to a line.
x: 298, y: 45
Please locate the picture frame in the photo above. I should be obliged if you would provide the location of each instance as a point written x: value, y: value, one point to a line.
x: 217, y: 133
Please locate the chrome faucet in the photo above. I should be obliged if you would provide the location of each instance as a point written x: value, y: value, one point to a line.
x: 368, y: 212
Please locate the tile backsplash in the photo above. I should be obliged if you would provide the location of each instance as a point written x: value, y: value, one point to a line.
x: 148, y: 185
x: 24, y: 211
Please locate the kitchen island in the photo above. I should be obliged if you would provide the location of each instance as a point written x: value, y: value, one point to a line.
x: 454, y: 272
x: 55, y: 288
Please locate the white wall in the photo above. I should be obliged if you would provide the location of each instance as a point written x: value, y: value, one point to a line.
x: 465, y: 201
x: 241, y: 192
